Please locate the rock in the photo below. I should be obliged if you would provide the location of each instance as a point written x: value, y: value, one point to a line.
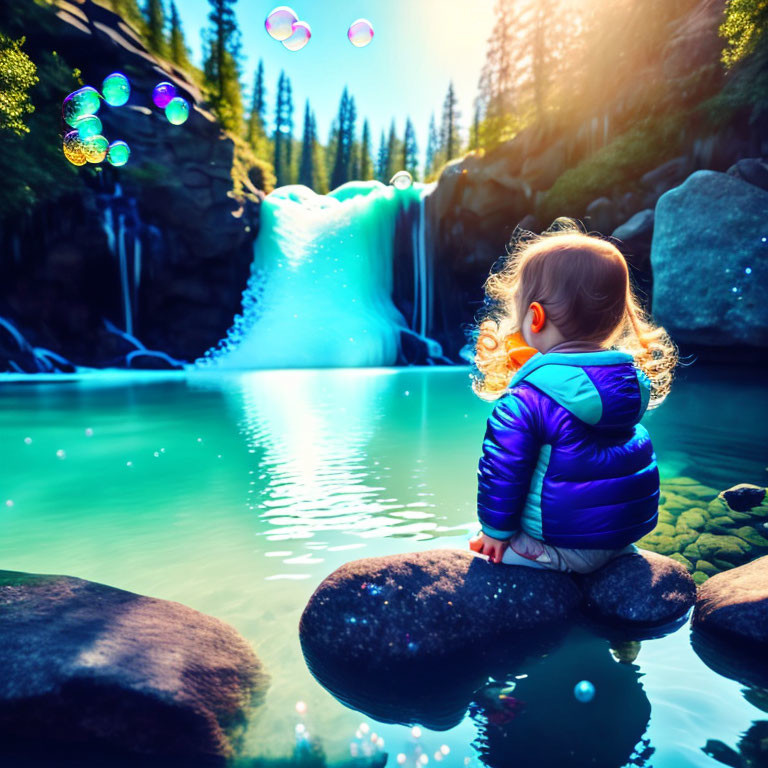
x: 542, y: 171
x: 666, y: 176
x: 643, y: 589
x: 405, y: 609
x: 753, y: 170
x: 87, y: 666
x: 734, y: 605
x: 638, y: 228
x: 602, y: 215
x: 708, y: 260
x: 744, y: 497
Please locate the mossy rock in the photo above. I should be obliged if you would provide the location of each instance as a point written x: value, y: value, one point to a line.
x: 751, y: 536
x: 706, y: 567
x: 718, y: 508
x: 690, y: 488
x: 729, y: 548
x: 692, y: 519
x: 721, y: 524
x: 675, y: 502
x: 665, y: 516
x: 699, y: 577
x: 692, y: 552
x: 664, y: 529
x: 744, y: 497
x: 659, y: 543
x: 682, y: 560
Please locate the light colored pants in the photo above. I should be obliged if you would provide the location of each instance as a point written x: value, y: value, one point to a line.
x: 525, y: 550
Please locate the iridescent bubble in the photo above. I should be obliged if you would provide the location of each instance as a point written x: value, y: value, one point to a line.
x: 300, y: 36
x: 401, y: 180
x: 118, y: 153
x: 360, y: 33
x: 88, y: 125
x: 83, y: 101
x: 279, y: 23
x: 584, y: 691
x: 95, y: 148
x: 177, y: 111
x: 116, y: 89
x: 74, y: 150
x: 162, y: 94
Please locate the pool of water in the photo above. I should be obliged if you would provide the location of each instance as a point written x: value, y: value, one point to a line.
x: 236, y: 494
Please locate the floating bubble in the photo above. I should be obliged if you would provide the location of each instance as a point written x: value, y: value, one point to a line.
x: 88, y: 125
x: 177, y: 111
x: 301, y: 707
x: 300, y: 36
x: 88, y: 432
x: 118, y: 153
x: 9, y: 503
x: 279, y: 23
x: 162, y: 94
x: 360, y: 33
x: 74, y: 148
x: 116, y: 89
x: 61, y: 454
x: 584, y: 691
x: 95, y: 148
x: 28, y: 441
x: 402, y: 180
x: 83, y: 101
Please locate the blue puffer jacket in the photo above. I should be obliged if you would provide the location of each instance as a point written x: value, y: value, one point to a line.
x: 564, y: 457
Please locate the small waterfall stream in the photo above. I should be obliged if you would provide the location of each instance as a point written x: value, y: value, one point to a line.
x: 321, y: 286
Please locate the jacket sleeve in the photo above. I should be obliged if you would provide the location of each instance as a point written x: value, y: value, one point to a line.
x: 510, y: 451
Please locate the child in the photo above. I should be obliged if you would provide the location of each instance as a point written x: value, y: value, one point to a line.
x: 568, y: 477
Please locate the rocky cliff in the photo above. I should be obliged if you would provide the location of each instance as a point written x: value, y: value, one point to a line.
x: 160, y: 247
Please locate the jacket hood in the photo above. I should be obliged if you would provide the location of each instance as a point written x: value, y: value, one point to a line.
x: 603, y: 389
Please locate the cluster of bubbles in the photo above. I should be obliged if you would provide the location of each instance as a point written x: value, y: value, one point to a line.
x: 164, y: 96
x: 85, y: 143
x: 283, y: 25
x: 584, y: 691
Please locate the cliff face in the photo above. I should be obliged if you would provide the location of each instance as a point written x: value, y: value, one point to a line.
x: 608, y: 170
x: 161, y: 246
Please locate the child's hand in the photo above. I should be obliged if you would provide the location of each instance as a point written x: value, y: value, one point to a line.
x: 485, y: 545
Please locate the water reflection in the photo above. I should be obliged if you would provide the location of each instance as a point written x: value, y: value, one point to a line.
x: 522, y: 701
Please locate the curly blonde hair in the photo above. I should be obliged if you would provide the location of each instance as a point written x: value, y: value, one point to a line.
x: 583, y: 284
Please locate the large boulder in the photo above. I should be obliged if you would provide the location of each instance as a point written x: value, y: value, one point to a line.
x: 733, y: 606
x: 642, y: 589
x: 90, y: 667
x: 708, y: 259
x: 403, y: 609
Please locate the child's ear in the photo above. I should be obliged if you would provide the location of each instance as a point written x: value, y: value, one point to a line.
x: 539, y: 317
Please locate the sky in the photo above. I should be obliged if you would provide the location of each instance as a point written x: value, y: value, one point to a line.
x: 418, y: 47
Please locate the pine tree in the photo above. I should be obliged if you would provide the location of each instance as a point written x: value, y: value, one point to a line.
x: 222, y: 65
x: 394, y: 153
x: 432, y: 160
x: 347, y: 117
x: 283, y: 141
x: 382, y: 160
x: 307, y: 175
x: 410, y: 150
x: 321, y: 176
x: 129, y: 11
x: 176, y: 44
x: 256, y: 129
x: 449, y: 129
x: 366, y: 163
x: 155, y: 14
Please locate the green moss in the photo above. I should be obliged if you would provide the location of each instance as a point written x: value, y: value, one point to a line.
x: 21, y: 579
x: 665, y: 516
x: 728, y: 548
x: 664, y: 529
x: 691, y: 519
x: 751, y: 536
x: 681, y: 559
x: 692, y: 552
x: 699, y: 577
x: 706, y: 567
x: 721, y: 524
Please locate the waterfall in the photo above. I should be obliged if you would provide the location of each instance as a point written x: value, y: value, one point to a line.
x: 320, y: 292
x: 122, y: 225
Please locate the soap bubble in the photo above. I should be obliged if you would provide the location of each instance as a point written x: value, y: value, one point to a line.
x: 83, y: 101
x: 401, y: 180
x: 162, y: 94
x: 177, y: 111
x: 584, y: 691
x: 279, y: 23
x: 74, y: 148
x: 300, y: 36
x: 95, y: 148
x: 116, y: 89
x: 87, y: 125
x: 118, y: 153
x: 360, y: 33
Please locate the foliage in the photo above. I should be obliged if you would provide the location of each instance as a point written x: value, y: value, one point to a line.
x: 433, y: 147
x: 450, y: 143
x: 283, y: 138
x: 345, y: 140
x: 17, y: 75
x: 366, y: 161
x: 744, y: 27
x: 616, y: 166
x: 155, y: 18
x: 394, y: 154
x: 246, y: 165
x: 307, y: 170
x: 177, y: 47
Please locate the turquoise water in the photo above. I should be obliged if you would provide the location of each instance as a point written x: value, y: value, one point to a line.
x: 236, y: 494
